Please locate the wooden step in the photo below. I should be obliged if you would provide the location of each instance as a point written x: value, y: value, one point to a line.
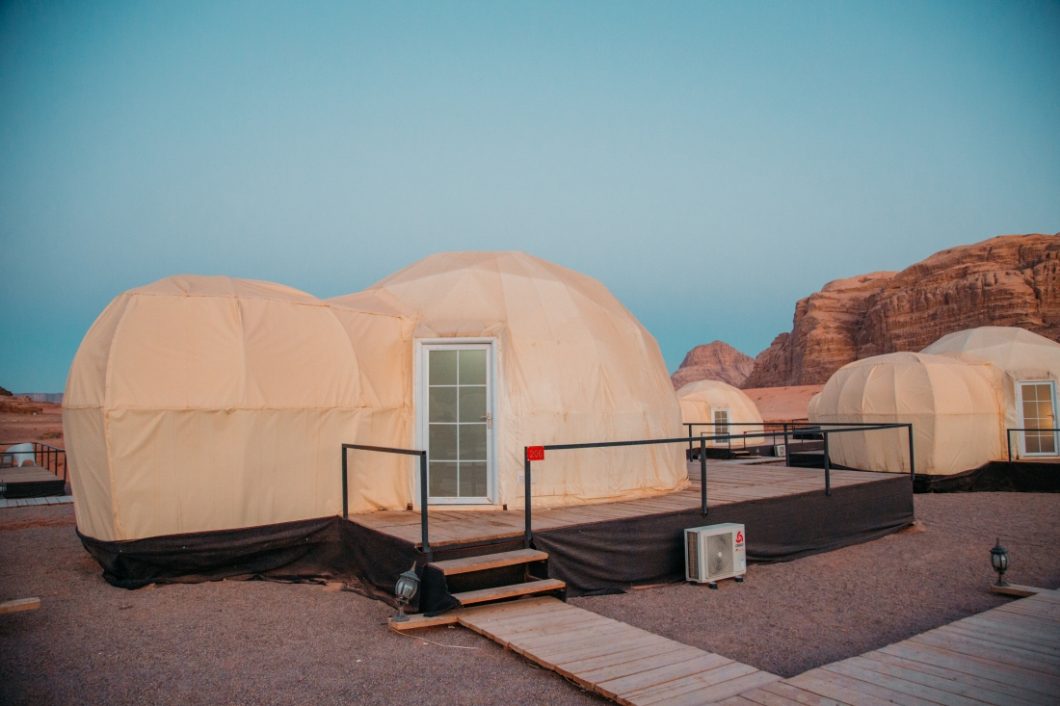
x: 466, y: 565
x: 498, y: 593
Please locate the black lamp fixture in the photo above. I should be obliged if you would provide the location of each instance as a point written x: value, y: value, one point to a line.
x: 405, y: 588
x: 999, y: 560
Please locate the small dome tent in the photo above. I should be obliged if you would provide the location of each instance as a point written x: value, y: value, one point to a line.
x: 717, y: 402
x: 210, y: 403
x: 1031, y: 367
x: 510, y: 351
x: 954, y: 407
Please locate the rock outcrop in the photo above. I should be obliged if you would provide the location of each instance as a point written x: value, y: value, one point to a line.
x: 1010, y: 280
x: 716, y: 360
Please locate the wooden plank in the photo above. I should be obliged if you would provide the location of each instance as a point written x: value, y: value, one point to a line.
x: 851, y: 691
x: 19, y: 605
x: 510, y: 591
x: 866, y: 672
x: 625, y: 668
x: 1023, y: 659
x: 1009, y: 638
x: 620, y: 687
x: 945, y: 680
x: 1015, y: 590
x: 709, y: 694
x: 422, y: 621
x: 781, y: 693
x: 965, y: 664
x: 669, y: 691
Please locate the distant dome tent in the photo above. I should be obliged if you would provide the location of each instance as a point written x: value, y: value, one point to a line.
x: 720, y: 404
x: 954, y: 406
x: 510, y: 350
x: 1031, y: 367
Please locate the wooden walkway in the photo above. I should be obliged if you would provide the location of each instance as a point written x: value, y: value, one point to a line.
x: 727, y: 482
x: 1008, y: 655
x: 623, y: 663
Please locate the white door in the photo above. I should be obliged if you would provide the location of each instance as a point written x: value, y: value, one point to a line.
x: 456, y: 421
x: 1038, y: 411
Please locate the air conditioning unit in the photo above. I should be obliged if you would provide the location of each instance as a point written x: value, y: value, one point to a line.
x: 715, y: 552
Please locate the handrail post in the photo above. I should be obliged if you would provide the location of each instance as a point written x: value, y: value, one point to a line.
x: 703, y: 474
x: 423, y: 504
x: 1008, y: 440
x: 827, y: 466
x: 689, y: 441
x: 345, y: 487
x: 787, y: 447
x: 912, y: 458
x: 527, y: 533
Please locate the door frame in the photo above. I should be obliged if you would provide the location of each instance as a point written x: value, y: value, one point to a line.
x: 1023, y: 421
x: 420, y: 406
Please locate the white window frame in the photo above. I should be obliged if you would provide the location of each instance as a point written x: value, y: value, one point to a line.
x: 1023, y: 421
x: 419, y: 415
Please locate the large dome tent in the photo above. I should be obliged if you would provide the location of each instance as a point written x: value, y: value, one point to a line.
x: 510, y: 350
x: 198, y: 404
x: 954, y: 406
x: 1031, y: 367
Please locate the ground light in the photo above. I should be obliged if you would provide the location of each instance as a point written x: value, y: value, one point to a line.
x: 405, y: 588
x: 999, y: 560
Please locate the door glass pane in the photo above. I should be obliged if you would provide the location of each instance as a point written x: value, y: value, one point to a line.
x: 473, y: 367
x: 473, y: 442
x: 443, y: 442
x: 472, y: 404
x: 473, y: 480
x: 442, y: 404
x: 443, y: 367
x: 442, y: 482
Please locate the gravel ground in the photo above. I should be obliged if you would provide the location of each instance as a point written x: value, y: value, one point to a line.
x: 264, y: 643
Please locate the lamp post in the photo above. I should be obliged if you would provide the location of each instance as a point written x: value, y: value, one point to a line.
x: 999, y: 560
x: 405, y: 588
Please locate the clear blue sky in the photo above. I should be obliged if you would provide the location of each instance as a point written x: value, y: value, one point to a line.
x: 710, y: 162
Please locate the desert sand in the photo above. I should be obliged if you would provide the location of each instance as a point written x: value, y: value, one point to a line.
x: 782, y: 404
x: 272, y: 643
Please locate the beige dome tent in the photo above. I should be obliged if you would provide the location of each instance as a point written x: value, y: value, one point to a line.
x: 954, y: 406
x: 510, y: 351
x: 1031, y: 367
x: 717, y: 402
x: 209, y: 403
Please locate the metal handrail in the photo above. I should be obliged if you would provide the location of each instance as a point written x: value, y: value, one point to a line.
x: 1008, y: 436
x: 424, y: 539
x: 530, y: 454
x: 49, y: 456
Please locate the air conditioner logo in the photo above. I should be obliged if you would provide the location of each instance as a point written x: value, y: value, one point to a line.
x: 739, y: 538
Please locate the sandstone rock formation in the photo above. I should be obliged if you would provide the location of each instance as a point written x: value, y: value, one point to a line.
x: 716, y: 360
x: 1010, y: 280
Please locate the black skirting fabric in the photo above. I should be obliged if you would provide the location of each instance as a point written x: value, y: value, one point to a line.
x: 1019, y: 477
x: 602, y: 557
x: 609, y: 557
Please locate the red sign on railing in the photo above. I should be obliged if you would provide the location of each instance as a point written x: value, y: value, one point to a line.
x: 535, y: 453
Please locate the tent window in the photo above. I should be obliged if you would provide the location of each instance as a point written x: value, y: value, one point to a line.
x: 1038, y: 400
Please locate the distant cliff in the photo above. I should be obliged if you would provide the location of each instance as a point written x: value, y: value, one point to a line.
x: 1010, y: 280
x: 716, y: 360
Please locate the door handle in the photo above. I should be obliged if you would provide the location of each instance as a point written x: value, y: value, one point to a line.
x: 488, y: 418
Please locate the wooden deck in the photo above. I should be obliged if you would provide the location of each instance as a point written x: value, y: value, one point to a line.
x: 1008, y: 655
x: 727, y: 482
